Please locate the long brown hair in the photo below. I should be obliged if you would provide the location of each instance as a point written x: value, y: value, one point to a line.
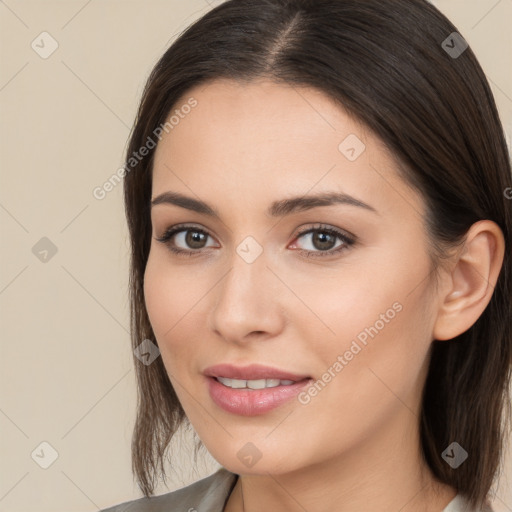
x: 387, y: 63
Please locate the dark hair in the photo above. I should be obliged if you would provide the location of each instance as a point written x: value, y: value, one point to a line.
x: 384, y: 62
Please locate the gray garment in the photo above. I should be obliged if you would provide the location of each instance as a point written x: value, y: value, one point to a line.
x: 207, y: 495
x: 211, y: 494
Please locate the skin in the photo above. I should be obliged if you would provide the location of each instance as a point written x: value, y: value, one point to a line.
x: 355, y: 446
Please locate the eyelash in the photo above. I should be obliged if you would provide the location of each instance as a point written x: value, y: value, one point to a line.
x: 347, y: 241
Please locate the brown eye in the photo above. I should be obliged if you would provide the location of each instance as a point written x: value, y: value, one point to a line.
x: 323, y: 241
x: 185, y: 239
x: 195, y: 239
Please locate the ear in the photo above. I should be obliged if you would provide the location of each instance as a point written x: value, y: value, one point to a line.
x: 469, y: 285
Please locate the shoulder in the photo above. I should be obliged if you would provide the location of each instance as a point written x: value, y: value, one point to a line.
x: 208, y: 494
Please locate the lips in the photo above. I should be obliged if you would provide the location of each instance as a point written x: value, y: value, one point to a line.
x: 252, y: 390
x: 252, y: 372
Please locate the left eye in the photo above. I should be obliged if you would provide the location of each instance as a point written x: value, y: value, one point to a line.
x: 324, y: 241
x: 321, y: 240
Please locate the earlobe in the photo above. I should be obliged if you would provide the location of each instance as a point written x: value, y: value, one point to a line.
x: 472, y: 280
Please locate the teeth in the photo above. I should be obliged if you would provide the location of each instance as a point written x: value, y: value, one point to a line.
x: 257, y: 384
x: 253, y: 384
x: 235, y: 383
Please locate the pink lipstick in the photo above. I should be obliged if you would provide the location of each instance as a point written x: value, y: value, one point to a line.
x: 252, y: 390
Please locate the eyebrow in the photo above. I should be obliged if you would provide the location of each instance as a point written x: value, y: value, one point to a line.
x: 279, y: 208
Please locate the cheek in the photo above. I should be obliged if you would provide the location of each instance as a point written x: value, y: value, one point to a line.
x: 169, y: 295
x: 374, y: 364
x: 158, y: 296
x: 371, y: 297
x: 360, y: 386
x: 376, y: 312
x: 177, y: 303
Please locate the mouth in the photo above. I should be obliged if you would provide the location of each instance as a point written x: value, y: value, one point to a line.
x: 253, y: 384
x: 252, y: 390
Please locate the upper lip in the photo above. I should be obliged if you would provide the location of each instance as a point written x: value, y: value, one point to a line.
x: 251, y: 372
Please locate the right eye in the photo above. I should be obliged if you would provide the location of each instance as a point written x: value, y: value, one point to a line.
x: 190, y: 238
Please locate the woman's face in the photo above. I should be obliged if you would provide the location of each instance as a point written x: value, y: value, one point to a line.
x: 338, y: 293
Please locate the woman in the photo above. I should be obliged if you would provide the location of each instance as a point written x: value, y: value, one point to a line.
x: 316, y: 197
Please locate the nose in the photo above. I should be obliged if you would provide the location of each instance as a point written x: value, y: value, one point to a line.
x: 248, y: 302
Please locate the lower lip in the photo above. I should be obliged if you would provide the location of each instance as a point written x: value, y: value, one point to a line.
x: 252, y: 402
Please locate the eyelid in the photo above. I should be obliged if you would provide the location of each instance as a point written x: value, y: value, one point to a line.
x: 346, y: 235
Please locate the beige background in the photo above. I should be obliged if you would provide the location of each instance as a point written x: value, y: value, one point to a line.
x: 66, y: 367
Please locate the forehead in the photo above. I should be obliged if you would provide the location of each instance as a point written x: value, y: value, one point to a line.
x: 260, y: 117
x: 268, y: 139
